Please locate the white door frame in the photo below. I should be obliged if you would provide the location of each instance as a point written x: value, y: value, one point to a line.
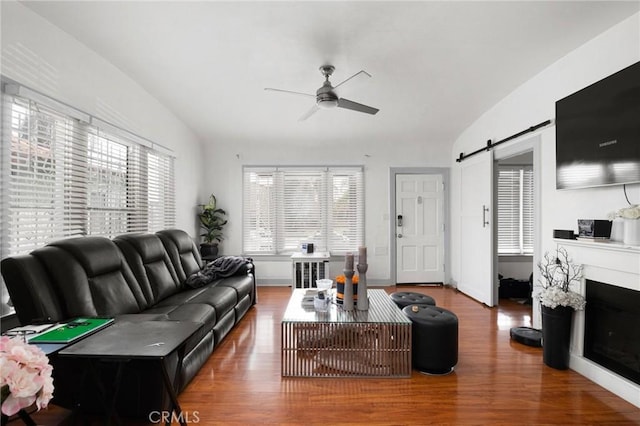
x: 532, y: 144
x: 393, y: 171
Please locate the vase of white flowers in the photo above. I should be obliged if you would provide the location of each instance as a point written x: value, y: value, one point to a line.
x: 25, y: 377
x: 631, y: 230
x: 557, y: 274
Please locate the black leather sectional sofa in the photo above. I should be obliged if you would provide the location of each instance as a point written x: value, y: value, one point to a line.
x: 132, y: 278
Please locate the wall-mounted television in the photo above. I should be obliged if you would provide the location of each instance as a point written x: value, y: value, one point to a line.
x: 598, y: 133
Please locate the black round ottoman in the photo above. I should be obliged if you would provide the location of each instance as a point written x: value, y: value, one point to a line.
x: 406, y: 298
x: 434, y: 338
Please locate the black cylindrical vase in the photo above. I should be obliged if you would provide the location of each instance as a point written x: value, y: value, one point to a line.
x: 556, y: 336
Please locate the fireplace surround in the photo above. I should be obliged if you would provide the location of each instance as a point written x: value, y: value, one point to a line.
x: 616, y: 265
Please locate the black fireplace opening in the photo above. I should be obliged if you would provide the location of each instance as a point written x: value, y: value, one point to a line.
x: 612, y: 328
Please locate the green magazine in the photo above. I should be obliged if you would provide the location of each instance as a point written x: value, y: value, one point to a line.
x: 72, y: 330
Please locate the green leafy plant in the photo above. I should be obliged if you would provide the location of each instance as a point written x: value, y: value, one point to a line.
x: 212, y: 221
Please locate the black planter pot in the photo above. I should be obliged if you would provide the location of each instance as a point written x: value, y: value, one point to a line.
x: 208, y: 251
x: 556, y: 336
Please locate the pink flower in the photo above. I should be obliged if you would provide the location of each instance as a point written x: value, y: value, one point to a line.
x: 26, y: 373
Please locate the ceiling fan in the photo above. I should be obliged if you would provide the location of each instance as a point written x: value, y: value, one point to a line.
x: 327, y: 96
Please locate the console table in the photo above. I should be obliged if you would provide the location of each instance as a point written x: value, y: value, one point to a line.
x: 123, y: 342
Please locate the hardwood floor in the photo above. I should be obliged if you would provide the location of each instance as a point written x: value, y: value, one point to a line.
x: 497, y: 381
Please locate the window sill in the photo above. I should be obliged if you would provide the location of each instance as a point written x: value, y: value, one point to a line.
x: 515, y: 257
x: 285, y: 257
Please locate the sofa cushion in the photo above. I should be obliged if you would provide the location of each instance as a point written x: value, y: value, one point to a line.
x: 242, y: 284
x: 150, y: 264
x: 191, y: 312
x: 91, y: 277
x: 221, y: 299
x: 182, y: 251
x: 31, y: 290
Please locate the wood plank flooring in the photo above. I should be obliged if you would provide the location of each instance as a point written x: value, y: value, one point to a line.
x: 497, y: 381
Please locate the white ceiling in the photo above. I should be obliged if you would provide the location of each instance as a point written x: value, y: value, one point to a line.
x: 436, y: 66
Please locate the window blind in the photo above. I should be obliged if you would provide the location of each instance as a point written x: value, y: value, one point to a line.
x: 63, y: 177
x: 515, y: 210
x: 45, y: 182
x: 286, y: 206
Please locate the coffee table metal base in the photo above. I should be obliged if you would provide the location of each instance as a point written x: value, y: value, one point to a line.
x: 374, y: 343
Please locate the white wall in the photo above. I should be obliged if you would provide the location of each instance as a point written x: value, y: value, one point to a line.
x: 44, y: 58
x: 516, y: 267
x: 223, y: 176
x: 534, y: 102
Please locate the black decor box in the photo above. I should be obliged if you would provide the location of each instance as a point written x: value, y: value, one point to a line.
x: 564, y: 234
x: 594, y: 228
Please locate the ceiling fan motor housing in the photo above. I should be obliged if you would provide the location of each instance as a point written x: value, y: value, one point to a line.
x: 325, y: 96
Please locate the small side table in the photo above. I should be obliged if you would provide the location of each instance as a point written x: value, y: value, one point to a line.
x: 306, y: 268
x: 123, y: 342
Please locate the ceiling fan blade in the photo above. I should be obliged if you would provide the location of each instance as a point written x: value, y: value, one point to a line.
x: 361, y: 75
x: 309, y: 113
x: 288, y: 91
x: 347, y: 104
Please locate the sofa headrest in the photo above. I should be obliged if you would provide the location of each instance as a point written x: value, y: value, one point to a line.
x: 181, y: 239
x: 182, y: 251
x: 148, y: 246
x: 97, y: 255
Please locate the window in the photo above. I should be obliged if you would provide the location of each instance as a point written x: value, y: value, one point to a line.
x: 64, y: 177
x: 515, y: 210
x: 286, y: 206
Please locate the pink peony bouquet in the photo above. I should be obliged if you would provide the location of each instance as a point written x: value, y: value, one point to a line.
x: 25, y: 376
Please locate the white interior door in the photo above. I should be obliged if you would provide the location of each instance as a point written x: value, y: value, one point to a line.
x: 419, y: 228
x: 476, y: 228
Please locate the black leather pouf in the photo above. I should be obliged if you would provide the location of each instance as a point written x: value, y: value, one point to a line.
x: 434, y: 338
x: 406, y: 298
x: 527, y: 336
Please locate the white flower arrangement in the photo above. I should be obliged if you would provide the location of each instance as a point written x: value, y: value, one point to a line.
x: 631, y: 212
x: 557, y: 274
x: 25, y: 376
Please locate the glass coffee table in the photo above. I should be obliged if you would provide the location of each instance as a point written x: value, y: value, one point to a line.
x: 338, y: 343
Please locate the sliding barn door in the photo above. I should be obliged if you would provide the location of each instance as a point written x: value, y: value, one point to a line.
x: 476, y: 228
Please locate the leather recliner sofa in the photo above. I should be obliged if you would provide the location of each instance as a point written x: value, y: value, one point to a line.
x: 132, y: 278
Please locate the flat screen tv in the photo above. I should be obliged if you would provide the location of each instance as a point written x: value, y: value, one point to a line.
x: 598, y: 133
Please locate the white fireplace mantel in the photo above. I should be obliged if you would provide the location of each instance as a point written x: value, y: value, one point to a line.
x: 614, y: 264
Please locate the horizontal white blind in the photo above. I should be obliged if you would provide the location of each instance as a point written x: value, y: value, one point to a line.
x: 108, y: 176
x: 47, y: 179
x: 527, y: 210
x: 62, y: 177
x: 515, y: 210
x: 346, y: 208
x: 160, y: 191
x: 301, y: 197
x: 286, y: 206
x: 259, y: 212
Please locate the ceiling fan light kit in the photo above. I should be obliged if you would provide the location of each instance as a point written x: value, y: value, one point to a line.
x: 327, y: 98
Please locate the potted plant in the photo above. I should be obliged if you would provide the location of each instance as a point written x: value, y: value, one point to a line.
x: 557, y: 274
x: 212, y: 221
